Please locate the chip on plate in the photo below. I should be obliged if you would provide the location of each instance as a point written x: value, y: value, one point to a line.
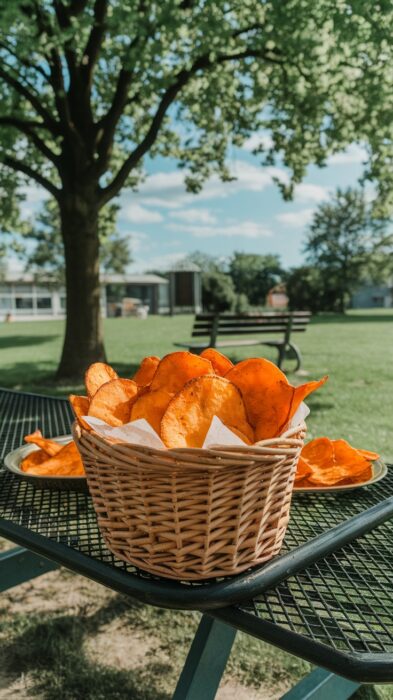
x: 49, y: 447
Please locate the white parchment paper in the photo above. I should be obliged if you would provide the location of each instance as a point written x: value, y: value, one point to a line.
x: 140, y: 432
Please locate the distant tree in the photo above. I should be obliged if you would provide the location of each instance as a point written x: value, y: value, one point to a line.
x: 309, y: 290
x: 218, y: 291
x: 344, y: 239
x: 253, y: 275
x: 46, y: 258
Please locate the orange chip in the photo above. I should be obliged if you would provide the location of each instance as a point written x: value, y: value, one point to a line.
x: 96, y: 375
x: 80, y: 406
x: 318, y: 452
x: 221, y: 363
x: 301, y: 392
x: 269, y: 398
x: 151, y: 406
x: 33, y: 459
x: 372, y: 456
x: 333, y: 462
x: 50, y: 447
x: 113, y: 400
x: 189, y: 414
x: 178, y: 368
x: 303, y: 470
x: 146, y: 370
x: 67, y: 462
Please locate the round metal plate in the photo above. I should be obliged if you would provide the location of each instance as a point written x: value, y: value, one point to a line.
x: 13, y: 460
x: 379, y: 471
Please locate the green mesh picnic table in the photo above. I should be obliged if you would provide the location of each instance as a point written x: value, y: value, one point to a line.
x: 327, y: 598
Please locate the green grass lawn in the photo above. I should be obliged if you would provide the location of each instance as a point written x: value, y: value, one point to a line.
x: 355, y: 350
x: 356, y: 404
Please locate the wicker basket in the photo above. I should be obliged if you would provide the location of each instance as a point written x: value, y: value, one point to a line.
x: 192, y: 514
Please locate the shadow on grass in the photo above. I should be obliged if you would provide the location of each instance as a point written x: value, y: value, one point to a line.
x: 52, y: 653
x: 352, y: 318
x: 20, y: 341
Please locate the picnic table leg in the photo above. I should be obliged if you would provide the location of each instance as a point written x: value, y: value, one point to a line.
x: 322, y: 685
x: 19, y: 565
x: 206, y: 661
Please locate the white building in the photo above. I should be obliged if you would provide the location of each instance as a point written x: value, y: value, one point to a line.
x: 24, y: 298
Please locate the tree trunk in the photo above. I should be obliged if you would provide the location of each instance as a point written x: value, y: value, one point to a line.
x: 83, y: 342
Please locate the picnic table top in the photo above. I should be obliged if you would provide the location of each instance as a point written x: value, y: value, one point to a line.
x: 336, y: 611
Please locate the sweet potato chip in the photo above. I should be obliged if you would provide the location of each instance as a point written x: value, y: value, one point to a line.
x: 269, y: 398
x: 80, y: 406
x: 32, y: 460
x: 146, y: 370
x: 96, y: 375
x: 67, y: 462
x: 178, y: 368
x: 303, y: 470
x: 189, y: 414
x: 333, y: 462
x: 151, y: 406
x: 221, y: 363
x: 372, y: 456
x: 50, y: 447
x: 113, y: 400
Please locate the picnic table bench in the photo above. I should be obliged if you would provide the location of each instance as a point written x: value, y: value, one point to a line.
x: 327, y: 598
x: 212, y: 327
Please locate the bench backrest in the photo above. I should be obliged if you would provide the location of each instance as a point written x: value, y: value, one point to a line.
x: 213, y: 325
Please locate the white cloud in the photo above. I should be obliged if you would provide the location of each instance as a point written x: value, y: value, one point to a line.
x: 256, y: 140
x: 139, y: 241
x: 242, y: 229
x: 203, y: 216
x: 135, y: 213
x: 310, y: 193
x: 159, y: 262
x: 353, y: 154
x: 296, y: 219
x: 166, y: 189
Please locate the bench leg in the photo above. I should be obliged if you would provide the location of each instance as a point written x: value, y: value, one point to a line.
x: 322, y: 685
x: 206, y: 661
x: 19, y: 565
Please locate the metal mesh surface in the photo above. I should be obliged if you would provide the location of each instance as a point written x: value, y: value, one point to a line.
x: 344, y: 600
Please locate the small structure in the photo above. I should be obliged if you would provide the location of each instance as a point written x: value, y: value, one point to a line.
x: 24, y: 298
x: 373, y: 296
x: 185, y: 288
x: 277, y: 297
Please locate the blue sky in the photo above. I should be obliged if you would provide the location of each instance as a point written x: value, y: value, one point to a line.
x: 165, y: 223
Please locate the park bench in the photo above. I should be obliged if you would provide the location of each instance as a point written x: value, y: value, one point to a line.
x: 212, y: 327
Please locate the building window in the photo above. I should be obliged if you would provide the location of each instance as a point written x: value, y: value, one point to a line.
x: 24, y: 303
x: 44, y: 303
x: 63, y: 303
x: 5, y: 289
